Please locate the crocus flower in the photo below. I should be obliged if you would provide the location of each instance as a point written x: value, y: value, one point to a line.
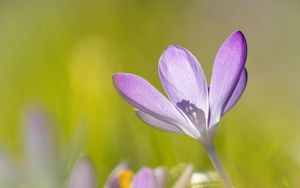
x: 194, y: 107
x: 113, y: 179
x: 43, y: 165
x: 124, y: 177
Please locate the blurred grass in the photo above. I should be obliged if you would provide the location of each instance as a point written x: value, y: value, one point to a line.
x: 62, y: 54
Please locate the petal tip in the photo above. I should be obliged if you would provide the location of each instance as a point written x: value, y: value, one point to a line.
x: 115, y: 79
x: 117, y: 74
x: 114, y: 76
x: 119, y: 81
x: 172, y: 53
x: 238, y: 40
x: 174, y: 47
x: 238, y: 35
x: 119, y: 77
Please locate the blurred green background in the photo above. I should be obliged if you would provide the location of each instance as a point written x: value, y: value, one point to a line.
x: 61, y: 54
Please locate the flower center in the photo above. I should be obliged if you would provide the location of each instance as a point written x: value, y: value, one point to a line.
x: 125, y: 178
x: 194, y: 114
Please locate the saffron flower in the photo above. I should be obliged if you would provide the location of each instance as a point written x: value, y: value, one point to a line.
x: 123, y: 177
x: 194, y: 107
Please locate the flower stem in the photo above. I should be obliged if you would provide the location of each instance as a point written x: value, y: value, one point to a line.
x: 217, y: 164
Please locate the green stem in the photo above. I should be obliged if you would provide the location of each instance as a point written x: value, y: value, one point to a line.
x: 217, y: 164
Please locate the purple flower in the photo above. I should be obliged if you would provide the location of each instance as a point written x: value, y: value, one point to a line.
x: 42, y: 163
x: 113, y: 179
x: 123, y: 177
x: 194, y: 107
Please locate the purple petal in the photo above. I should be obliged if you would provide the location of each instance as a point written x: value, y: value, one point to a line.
x: 143, y: 96
x: 156, y: 123
x: 83, y: 175
x: 145, y: 178
x: 38, y: 143
x: 238, y: 91
x: 228, y: 66
x: 183, y: 78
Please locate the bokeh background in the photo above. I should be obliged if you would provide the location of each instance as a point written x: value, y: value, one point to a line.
x: 61, y: 55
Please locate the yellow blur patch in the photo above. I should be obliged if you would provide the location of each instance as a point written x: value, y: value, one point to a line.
x: 125, y: 178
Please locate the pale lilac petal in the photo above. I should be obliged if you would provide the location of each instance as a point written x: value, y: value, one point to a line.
x: 156, y: 123
x: 112, y: 181
x: 83, y: 175
x: 161, y: 176
x: 143, y: 96
x: 228, y: 66
x: 183, y: 78
x: 145, y: 178
x: 238, y: 91
x: 38, y: 143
